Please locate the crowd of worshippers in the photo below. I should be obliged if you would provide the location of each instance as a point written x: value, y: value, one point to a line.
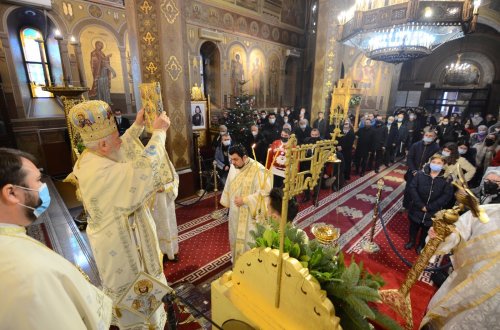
x: 472, y: 141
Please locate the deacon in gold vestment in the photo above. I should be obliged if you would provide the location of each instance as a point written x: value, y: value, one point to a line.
x: 116, y: 178
x: 39, y: 288
x: 470, y: 296
x: 246, y: 194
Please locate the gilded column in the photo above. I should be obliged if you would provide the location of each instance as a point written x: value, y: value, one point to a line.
x: 159, y: 53
x: 325, y: 66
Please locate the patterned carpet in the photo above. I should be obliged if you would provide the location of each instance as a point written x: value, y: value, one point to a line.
x: 204, y: 249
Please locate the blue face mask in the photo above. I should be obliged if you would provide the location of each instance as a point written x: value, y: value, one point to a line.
x: 436, y: 167
x: 428, y: 139
x: 43, y: 194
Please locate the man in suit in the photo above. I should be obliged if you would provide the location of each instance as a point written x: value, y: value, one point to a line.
x: 122, y: 123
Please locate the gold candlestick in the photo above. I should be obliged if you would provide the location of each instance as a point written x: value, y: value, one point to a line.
x: 370, y: 246
x: 201, y: 191
x: 216, y: 214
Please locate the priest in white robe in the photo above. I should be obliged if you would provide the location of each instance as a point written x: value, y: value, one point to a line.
x: 246, y: 194
x: 39, y: 288
x: 470, y: 296
x: 116, y: 178
x: 163, y: 210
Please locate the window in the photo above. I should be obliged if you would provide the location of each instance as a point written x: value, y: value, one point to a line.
x: 35, y: 60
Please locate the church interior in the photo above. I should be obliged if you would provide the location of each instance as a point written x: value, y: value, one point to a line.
x: 332, y: 100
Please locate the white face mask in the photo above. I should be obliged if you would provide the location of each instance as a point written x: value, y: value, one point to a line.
x: 462, y: 151
x: 254, y: 133
x: 272, y: 121
x: 445, y: 153
x: 389, y: 122
x: 226, y: 143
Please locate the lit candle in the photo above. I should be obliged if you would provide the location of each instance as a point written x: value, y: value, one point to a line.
x: 267, y: 157
x: 253, y: 151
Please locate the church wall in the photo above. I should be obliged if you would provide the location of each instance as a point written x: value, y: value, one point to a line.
x: 259, y: 33
x: 85, y: 21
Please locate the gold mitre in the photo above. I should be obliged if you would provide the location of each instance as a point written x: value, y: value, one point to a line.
x: 93, y: 120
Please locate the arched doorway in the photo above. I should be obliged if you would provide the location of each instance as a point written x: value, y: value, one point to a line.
x: 291, y: 78
x: 210, y: 57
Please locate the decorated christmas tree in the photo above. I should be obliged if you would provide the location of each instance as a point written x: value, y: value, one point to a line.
x: 240, y: 117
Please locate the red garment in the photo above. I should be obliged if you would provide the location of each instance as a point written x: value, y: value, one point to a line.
x: 276, y: 158
x: 496, y: 160
x: 470, y: 130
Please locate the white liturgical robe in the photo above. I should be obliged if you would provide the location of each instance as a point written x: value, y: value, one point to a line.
x: 115, y: 195
x: 165, y: 218
x: 42, y: 290
x: 252, y: 182
x: 470, y: 296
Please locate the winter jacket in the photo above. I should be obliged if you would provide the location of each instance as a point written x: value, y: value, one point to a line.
x: 433, y: 193
x: 451, y: 172
x: 419, y: 154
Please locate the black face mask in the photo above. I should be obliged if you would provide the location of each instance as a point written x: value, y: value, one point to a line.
x: 489, y: 142
x: 284, y: 140
x: 490, y: 188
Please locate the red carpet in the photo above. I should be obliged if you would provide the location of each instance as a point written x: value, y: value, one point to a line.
x: 203, y: 244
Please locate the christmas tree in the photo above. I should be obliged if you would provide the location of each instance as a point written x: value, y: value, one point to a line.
x: 240, y: 118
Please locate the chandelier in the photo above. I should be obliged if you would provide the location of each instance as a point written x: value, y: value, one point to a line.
x: 405, y: 29
x: 461, y: 73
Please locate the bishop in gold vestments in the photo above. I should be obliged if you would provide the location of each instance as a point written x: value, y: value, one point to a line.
x: 115, y: 194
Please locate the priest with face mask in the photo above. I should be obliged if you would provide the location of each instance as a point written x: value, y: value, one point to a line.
x: 116, y: 177
x: 40, y: 289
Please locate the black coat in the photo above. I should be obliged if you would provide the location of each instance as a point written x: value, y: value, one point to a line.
x: 380, y: 137
x: 366, y: 136
x: 419, y: 154
x: 260, y: 147
x: 123, y: 126
x: 433, y: 193
x: 302, y: 135
x: 447, y: 134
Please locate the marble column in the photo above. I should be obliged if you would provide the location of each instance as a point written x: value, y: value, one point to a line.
x: 79, y: 60
x: 126, y: 85
x: 22, y: 95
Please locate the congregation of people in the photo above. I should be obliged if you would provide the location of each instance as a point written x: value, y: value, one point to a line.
x: 433, y: 147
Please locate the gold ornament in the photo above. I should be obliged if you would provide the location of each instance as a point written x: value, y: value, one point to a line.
x: 93, y: 120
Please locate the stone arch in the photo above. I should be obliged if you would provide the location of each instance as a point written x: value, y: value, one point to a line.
x: 291, y: 77
x: 212, y: 68
x: 274, y: 70
x: 235, y: 66
x: 481, y: 61
x: 84, y: 23
x: 88, y: 36
x: 257, y: 67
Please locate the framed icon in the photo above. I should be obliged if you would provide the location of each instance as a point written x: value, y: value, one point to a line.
x: 199, y: 114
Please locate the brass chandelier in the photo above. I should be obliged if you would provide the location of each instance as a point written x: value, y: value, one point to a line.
x: 395, y: 31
